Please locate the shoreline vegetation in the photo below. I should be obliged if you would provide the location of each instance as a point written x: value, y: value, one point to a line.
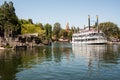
x: 15, y: 32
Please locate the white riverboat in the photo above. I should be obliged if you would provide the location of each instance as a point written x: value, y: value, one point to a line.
x: 91, y: 36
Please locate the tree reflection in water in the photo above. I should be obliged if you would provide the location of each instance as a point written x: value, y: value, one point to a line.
x: 92, y: 57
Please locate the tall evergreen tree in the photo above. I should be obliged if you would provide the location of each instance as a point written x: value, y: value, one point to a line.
x: 56, y: 29
x: 48, y: 29
x: 9, y: 20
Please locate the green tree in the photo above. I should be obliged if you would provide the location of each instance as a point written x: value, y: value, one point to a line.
x: 110, y: 29
x: 72, y: 29
x: 40, y: 25
x: 70, y: 34
x: 48, y: 29
x: 30, y: 28
x: 23, y: 21
x: 78, y: 29
x: 30, y: 21
x: 56, y: 29
x: 63, y: 33
x: 8, y: 19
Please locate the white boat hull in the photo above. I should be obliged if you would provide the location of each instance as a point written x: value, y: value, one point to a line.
x: 91, y: 42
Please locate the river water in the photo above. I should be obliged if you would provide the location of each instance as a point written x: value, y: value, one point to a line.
x: 61, y: 61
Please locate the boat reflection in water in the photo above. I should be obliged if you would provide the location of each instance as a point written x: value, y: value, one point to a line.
x: 97, y: 57
x: 89, y: 51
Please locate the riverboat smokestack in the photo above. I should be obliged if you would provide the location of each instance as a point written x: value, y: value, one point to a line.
x: 89, y: 21
x: 97, y: 23
x: 97, y: 19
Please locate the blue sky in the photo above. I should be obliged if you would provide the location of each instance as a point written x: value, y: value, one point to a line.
x: 73, y: 11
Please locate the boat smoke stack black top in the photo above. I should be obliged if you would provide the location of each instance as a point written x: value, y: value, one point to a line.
x: 89, y: 21
x: 97, y: 20
x: 97, y: 23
